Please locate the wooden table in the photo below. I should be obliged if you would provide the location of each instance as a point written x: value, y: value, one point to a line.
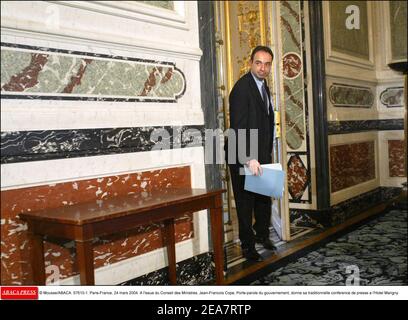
x: 84, y: 222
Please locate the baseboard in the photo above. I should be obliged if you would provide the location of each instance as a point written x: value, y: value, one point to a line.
x: 342, y: 211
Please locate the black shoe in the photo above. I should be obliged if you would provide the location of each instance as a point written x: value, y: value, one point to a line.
x: 266, y: 242
x: 251, y: 254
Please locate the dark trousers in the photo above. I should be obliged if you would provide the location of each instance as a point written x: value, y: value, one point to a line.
x: 247, y: 203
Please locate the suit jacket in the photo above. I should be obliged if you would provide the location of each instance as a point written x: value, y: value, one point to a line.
x: 248, y: 111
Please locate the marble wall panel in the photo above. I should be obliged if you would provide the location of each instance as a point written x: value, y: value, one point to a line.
x: 295, y: 91
x: 298, y: 178
x: 107, y: 250
x: 160, y: 4
x: 398, y: 21
x: 342, y: 95
x: 293, y: 73
x: 198, y: 270
x: 340, y: 212
x: 344, y: 210
x: 21, y: 146
x: 396, y: 158
x: 354, y: 41
x: 392, y: 97
x: 351, y: 164
x: 29, y: 72
x: 353, y: 126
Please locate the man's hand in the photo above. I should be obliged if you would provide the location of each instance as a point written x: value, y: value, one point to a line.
x: 255, y: 167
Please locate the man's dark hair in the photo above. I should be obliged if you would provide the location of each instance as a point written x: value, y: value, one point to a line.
x: 261, y: 48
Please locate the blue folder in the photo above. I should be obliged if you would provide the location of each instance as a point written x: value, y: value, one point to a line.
x: 270, y: 183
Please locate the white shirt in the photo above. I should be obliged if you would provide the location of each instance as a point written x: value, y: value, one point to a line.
x: 259, y: 84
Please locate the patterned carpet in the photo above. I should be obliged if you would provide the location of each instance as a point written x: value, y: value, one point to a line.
x: 373, y: 254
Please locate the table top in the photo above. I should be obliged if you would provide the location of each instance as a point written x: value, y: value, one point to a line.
x: 98, y: 210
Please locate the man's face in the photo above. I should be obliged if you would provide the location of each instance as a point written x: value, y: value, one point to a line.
x: 261, y: 65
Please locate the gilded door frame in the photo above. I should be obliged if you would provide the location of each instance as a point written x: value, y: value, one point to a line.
x: 268, y: 14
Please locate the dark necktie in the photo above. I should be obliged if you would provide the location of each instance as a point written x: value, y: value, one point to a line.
x: 265, y: 98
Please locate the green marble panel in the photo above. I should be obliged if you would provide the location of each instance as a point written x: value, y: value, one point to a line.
x: 12, y: 62
x: 353, y: 42
x: 351, y: 96
x: 295, y: 116
x: 160, y: 4
x: 398, y: 21
x: 56, y: 74
x: 293, y: 86
x: 39, y: 73
x: 290, y: 11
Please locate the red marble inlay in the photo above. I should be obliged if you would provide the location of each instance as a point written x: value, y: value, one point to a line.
x: 351, y: 164
x: 151, y: 80
x: 292, y: 65
x: 107, y: 250
x: 167, y: 76
x: 297, y: 177
x: 76, y: 79
x: 396, y: 158
x: 28, y: 77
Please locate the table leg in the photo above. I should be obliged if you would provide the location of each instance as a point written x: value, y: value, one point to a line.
x: 170, y: 241
x: 37, y: 258
x: 84, y: 251
x: 217, y: 238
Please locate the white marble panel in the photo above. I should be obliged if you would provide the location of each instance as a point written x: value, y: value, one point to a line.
x: 35, y: 173
x: 385, y: 112
x: 349, y: 113
x: 20, y: 114
x: 135, y: 25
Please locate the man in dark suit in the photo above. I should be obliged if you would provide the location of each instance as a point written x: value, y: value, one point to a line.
x: 251, y: 108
